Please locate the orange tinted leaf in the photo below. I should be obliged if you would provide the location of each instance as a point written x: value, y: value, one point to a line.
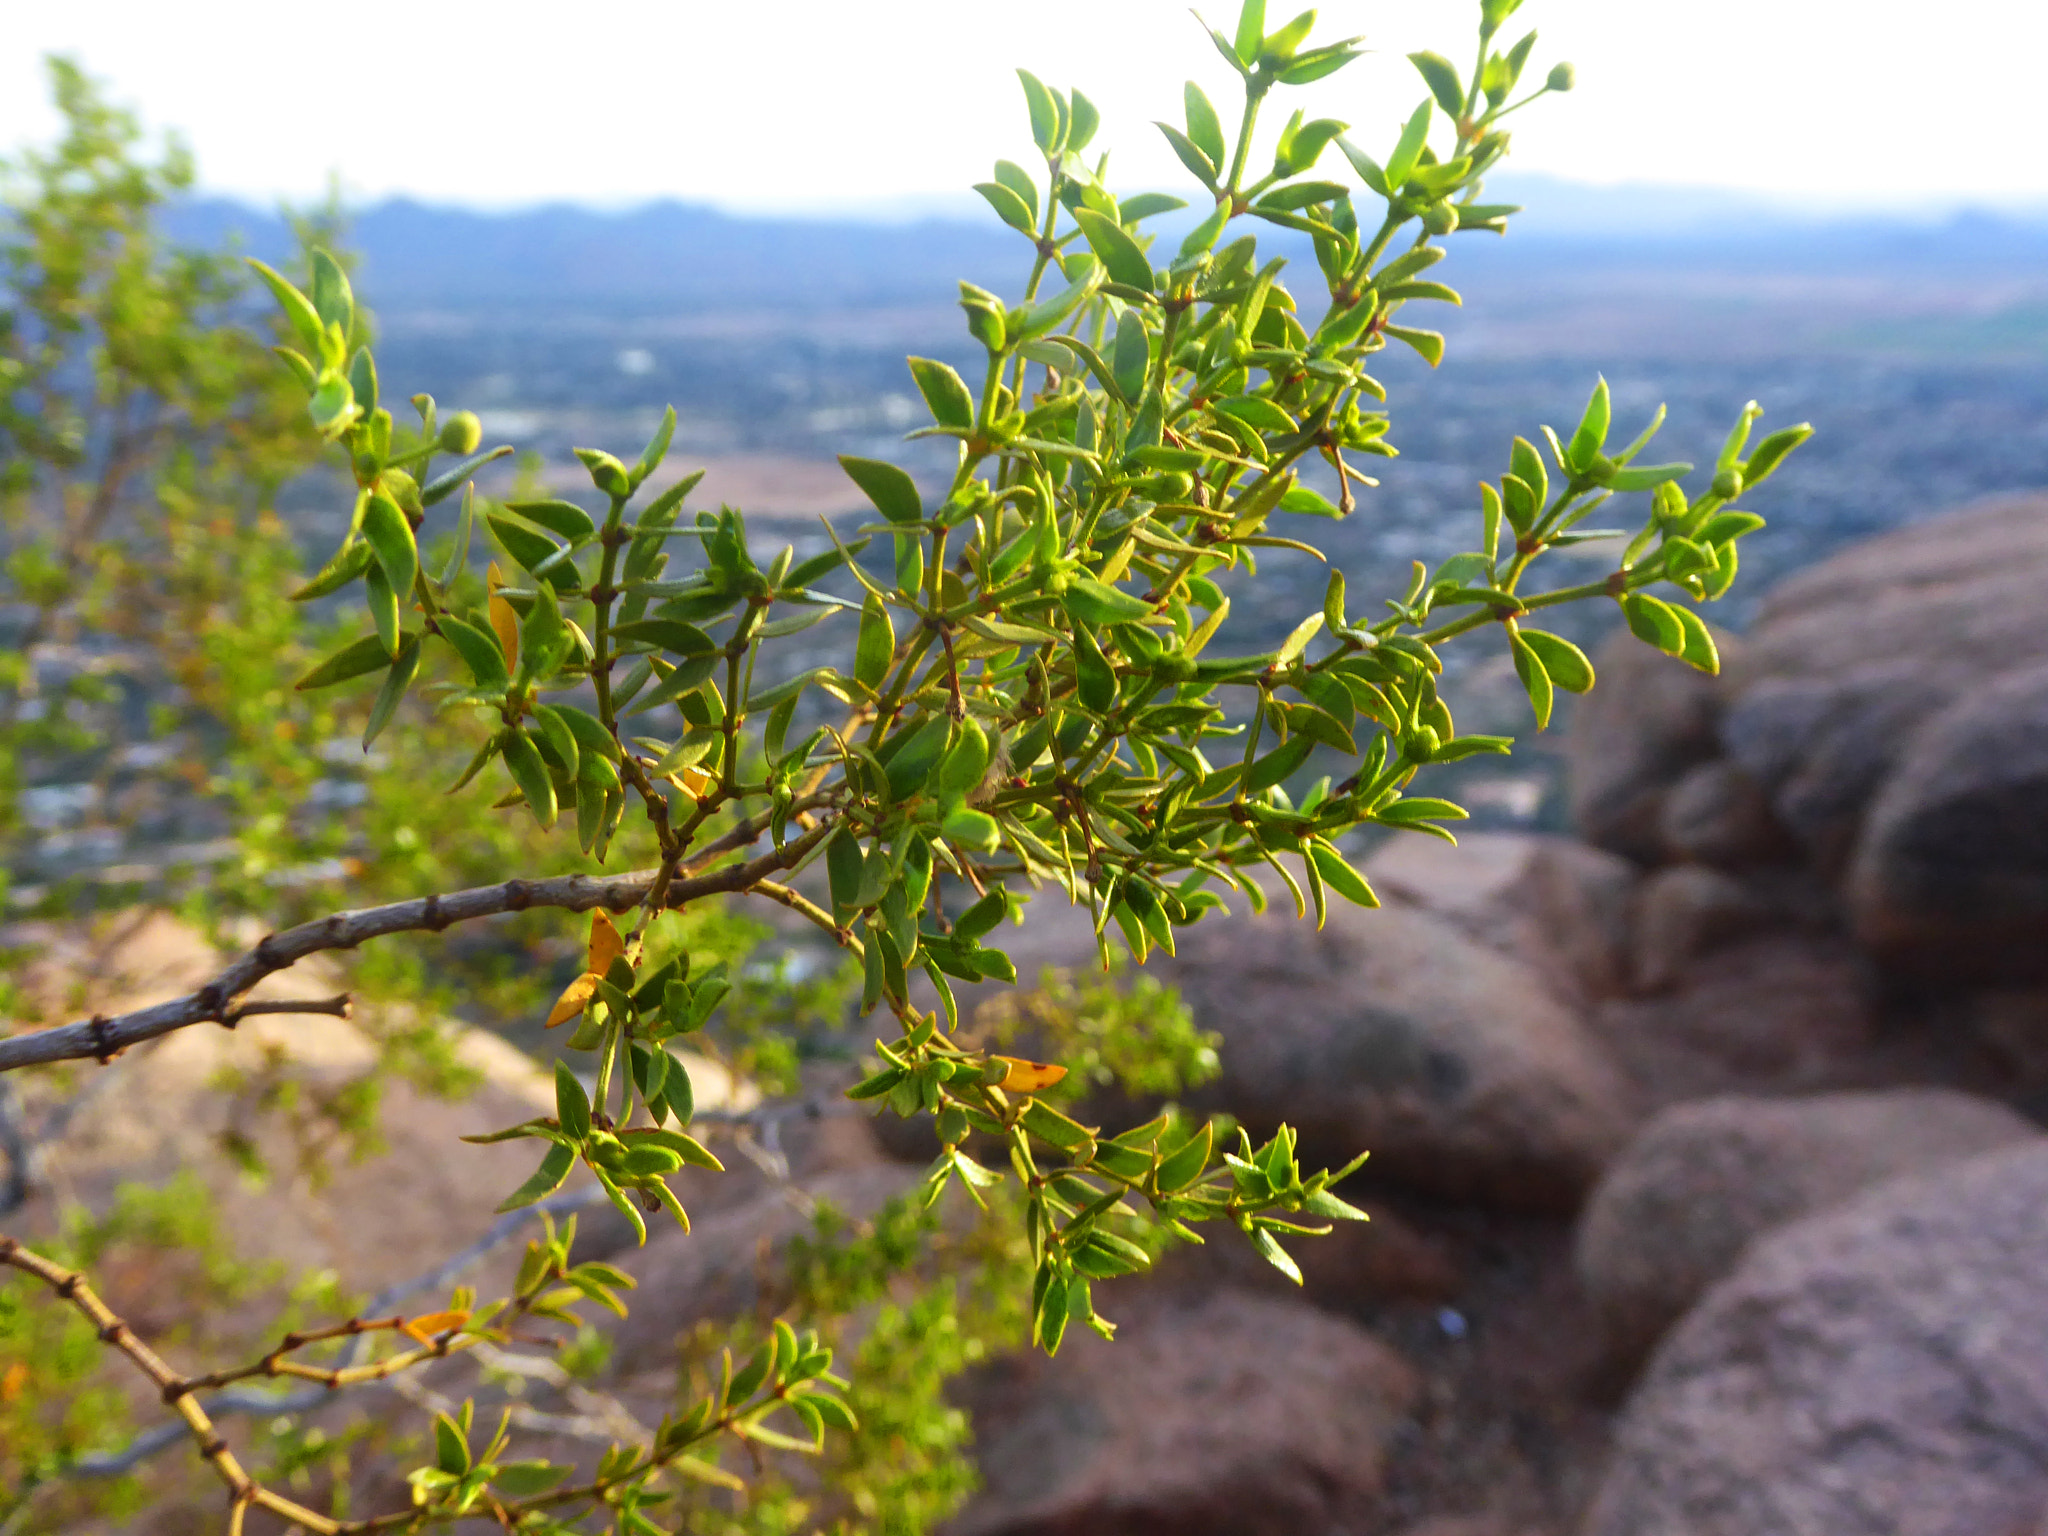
x: 605, y: 943
x: 1029, y: 1076
x: 573, y: 1000
x: 693, y: 780
x: 424, y: 1328
x: 503, y: 620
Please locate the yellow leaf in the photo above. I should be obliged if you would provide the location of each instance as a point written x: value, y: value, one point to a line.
x: 1029, y: 1076
x: 503, y: 619
x: 573, y: 1000
x: 692, y: 780
x: 424, y: 1328
x: 12, y: 1380
x: 605, y: 943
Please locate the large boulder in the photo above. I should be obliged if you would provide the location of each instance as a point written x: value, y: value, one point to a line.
x: 1774, y: 1011
x: 1877, y: 1370
x: 1228, y: 1415
x: 1650, y: 721
x: 1683, y: 912
x: 1951, y: 870
x: 1850, y: 660
x: 1554, y: 903
x: 1675, y: 1211
x: 1391, y: 1030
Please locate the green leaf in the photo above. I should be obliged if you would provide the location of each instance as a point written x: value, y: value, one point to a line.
x: 1408, y: 148
x: 1697, y: 648
x: 298, y: 309
x: 560, y: 517
x: 944, y: 391
x: 1654, y: 622
x: 449, y: 481
x: 523, y: 1479
x: 655, y: 451
x: 1095, y: 679
x: 1145, y: 205
x: 355, y: 659
x: 1045, y: 112
x: 1428, y: 344
x: 1009, y: 207
x: 1771, y: 452
x: 1368, y: 169
x: 530, y: 550
x: 390, y: 536
x: 891, y: 489
x: 1441, y: 76
x: 1309, y: 503
x: 1535, y: 679
x: 1089, y: 601
x: 1270, y: 1249
x: 876, y: 645
x: 1203, y: 126
x: 348, y: 563
x: 1591, y: 434
x: 1277, y: 765
x: 1340, y: 876
x: 1085, y: 120
x: 332, y: 299
x: 671, y: 635
x: 1113, y: 246
x: 554, y: 1168
x: 1317, y: 63
x: 972, y: 829
x: 479, y: 651
x: 572, y: 1104
x: 1199, y: 165
x: 1564, y: 662
x: 1251, y: 32
x: 403, y: 668
x: 531, y: 775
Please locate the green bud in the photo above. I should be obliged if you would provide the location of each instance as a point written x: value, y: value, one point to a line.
x: 461, y: 433
x: 1440, y: 218
x: 333, y: 406
x: 403, y: 489
x: 1421, y: 744
x: 1562, y: 77
x: 606, y: 472
x: 1728, y: 484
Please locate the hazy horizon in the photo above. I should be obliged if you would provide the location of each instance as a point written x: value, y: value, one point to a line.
x: 899, y: 102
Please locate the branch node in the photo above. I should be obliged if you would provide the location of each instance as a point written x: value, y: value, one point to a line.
x: 103, y: 1047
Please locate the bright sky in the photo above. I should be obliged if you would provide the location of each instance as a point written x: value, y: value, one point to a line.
x: 826, y: 102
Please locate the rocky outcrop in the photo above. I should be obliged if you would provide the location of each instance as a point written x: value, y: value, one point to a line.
x: 1950, y: 873
x: 1879, y: 1370
x: 1555, y: 904
x: 1391, y: 1030
x: 1231, y: 1415
x: 1885, y: 721
x: 1676, y: 1210
x: 1648, y: 722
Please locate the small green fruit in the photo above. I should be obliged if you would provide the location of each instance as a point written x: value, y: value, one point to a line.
x: 461, y: 433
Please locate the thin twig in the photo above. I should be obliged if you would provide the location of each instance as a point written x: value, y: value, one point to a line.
x: 255, y: 1400
x: 243, y: 1490
x: 103, y: 1038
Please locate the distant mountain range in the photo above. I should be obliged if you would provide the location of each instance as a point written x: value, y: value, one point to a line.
x: 670, y: 255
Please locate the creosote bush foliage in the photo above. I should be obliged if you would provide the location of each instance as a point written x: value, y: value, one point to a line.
x: 1038, y: 700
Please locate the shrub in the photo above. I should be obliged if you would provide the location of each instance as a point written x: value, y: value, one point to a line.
x: 1038, y: 692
